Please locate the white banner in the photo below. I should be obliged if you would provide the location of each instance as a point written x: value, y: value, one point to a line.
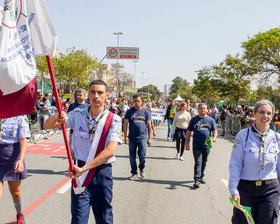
x: 26, y: 31
x: 158, y: 114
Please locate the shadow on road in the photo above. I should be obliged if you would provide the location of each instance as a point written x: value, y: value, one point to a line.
x: 172, y: 184
x: 148, y: 157
x: 47, y: 172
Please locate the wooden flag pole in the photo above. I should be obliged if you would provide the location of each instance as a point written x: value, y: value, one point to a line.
x: 58, y: 105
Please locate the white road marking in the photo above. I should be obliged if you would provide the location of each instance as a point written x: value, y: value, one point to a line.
x: 57, y: 150
x: 225, y: 182
x: 64, y: 188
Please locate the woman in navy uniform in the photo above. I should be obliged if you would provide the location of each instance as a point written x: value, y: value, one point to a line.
x: 255, y: 168
x: 14, y: 132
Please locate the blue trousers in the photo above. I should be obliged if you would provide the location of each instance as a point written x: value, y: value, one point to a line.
x: 200, y: 159
x: 141, y: 145
x: 98, y: 195
x: 263, y: 200
x: 169, y: 123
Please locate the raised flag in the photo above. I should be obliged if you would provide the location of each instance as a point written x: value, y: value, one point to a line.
x: 26, y: 31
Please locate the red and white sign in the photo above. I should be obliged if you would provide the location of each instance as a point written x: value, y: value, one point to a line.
x: 122, y: 53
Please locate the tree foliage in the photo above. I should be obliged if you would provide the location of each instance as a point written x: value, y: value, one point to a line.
x: 233, y: 78
x: 262, y: 52
x: 152, y: 89
x: 180, y: 86
x: 75, y: 68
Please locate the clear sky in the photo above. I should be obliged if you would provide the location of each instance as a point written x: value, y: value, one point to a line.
x: 175, y: 37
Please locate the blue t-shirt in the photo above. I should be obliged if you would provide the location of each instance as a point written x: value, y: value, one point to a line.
x: 201, y: 128
x: 137, y: 122
x: 76, y: 104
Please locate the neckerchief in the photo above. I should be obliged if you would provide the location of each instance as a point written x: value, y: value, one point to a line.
x: 262, y: 139
x: 92, y: 129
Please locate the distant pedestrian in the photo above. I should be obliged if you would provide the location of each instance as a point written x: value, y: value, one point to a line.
x: 14, y: 132
x: 255, y: 168
x: 169, y: 116
x: 223, y: 119
x: 179, y: 129
x: 139, y: 120
x: 202, y: 126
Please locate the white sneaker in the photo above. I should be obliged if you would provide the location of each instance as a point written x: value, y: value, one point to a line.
x: 133, y: 177
x: 177, y: 156
x: 181, y: 158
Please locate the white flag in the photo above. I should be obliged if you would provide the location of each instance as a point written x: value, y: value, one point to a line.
x: 26, y: 31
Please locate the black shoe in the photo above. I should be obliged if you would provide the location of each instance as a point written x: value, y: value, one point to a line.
x: 196, y: 184
x: 203, y: 181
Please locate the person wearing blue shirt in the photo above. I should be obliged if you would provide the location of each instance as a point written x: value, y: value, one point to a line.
x: 139, y: 120
x: 14, y: 132
x: 255, y: 167
x: 84, y: 121
x: 202, y: 125
x: 80, y: 97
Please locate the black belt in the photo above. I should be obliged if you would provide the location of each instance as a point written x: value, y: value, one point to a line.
x: 82, y: 163
x: 259, y: 182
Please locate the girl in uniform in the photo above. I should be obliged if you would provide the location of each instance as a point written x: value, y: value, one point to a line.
x: 14, y: 132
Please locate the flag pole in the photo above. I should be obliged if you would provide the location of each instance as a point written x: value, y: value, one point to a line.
x: 58, y: 105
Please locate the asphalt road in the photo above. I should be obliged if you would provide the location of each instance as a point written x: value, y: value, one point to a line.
x: 166, y: 194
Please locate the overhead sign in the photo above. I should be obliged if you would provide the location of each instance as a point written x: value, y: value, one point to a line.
x: 122, y: 53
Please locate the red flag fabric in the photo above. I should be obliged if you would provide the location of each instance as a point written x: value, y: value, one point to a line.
x: 19, y: 103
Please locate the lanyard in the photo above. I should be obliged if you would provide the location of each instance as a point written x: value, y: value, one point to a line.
x: 262, y: 149
x: 92, y: 128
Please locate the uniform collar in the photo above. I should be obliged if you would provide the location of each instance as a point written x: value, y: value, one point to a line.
x: 99, y: 115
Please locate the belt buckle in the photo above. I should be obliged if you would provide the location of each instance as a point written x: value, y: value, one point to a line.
x: 258, y: 183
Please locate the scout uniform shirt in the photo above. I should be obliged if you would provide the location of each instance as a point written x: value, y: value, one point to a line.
x: 78, y: 121
x: 248, y: 162
x: 12, y: 129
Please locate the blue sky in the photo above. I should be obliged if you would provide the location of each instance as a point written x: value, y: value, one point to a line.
x: 175, y: 37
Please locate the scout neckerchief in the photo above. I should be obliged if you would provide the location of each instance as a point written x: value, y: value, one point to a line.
x: 262, y: 139
x: 92, y: 129
x: 98, y: 144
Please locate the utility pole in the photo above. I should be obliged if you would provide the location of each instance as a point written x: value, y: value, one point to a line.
x: 117, y: 71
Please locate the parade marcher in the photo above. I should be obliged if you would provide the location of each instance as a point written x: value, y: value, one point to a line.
x: 14, y: 132
x: 39, y: 107
x: 202, y: 126
x: 179, y: 129
x: 139, y: 120
x: 80, y: 102
x: 223, y: 119
x: 214, y: 113
x: 255, y: 168
x: 88, y: 127
x: 169, y: 116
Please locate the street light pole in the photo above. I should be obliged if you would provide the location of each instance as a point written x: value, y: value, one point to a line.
x: 134, y: 83
x: 117, y: 72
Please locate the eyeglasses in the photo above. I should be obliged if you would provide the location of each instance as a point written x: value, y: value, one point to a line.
x: 264, y: 112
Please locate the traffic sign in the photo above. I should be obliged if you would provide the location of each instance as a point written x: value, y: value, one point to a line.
x: 122, y: 53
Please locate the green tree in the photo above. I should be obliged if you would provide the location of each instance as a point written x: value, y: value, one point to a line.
x: 152, y: 90
x: 180, y: 86
x: 262, y: 52
x: 75, y: 68
x: 205, y: 86
x: 232, y: 78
